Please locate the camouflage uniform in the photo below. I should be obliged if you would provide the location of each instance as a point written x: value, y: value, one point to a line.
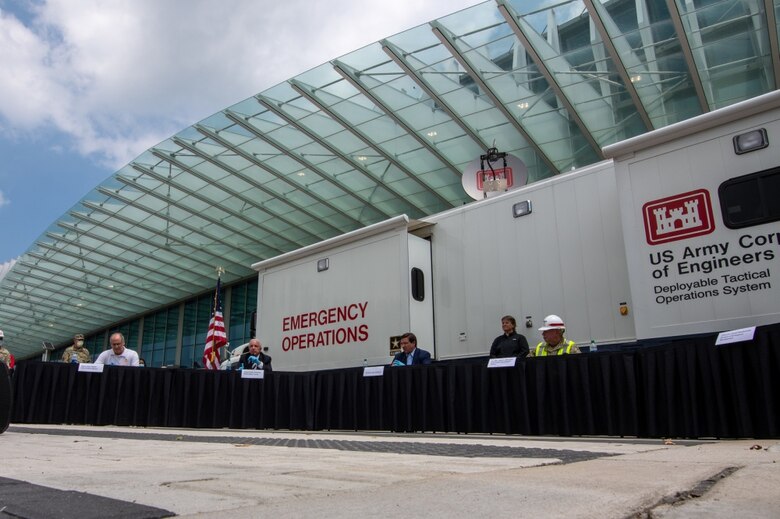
x: 82, y: 354
x: 5, y: 357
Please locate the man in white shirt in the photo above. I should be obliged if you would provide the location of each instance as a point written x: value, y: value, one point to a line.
x: 118, y: 355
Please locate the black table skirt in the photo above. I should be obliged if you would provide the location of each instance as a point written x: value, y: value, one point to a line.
x: 688, y: 388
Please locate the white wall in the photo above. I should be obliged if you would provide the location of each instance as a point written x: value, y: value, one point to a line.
x: 567, y: 257
x: 699, y: 161
x: 372, y: 271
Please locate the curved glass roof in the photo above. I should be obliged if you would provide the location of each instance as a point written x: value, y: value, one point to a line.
x: 384, y: 130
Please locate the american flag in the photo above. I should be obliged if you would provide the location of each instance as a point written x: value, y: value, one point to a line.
x: 216, y: 336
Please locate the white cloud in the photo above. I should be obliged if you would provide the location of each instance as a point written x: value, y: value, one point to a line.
x: 3, y: 199
x: 120, y: 76
x: 5, y: 267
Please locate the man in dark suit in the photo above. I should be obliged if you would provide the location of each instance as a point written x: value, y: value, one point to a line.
x: 410, y: 354
x: 254, y: 358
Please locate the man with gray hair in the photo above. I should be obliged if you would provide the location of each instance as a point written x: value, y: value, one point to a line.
x: 118, y: 355
x: 553, y: 341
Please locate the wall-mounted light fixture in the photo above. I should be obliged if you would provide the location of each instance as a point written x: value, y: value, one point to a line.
x: 521, y: 208
x: 750, y: 141
x: 323, y: 264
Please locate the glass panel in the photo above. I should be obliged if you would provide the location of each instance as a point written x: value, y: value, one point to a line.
x: 777, y: 22
x: 374, y: 127
x: 497, y: 55
x: 158, y: 338
x: 147, y: 341
x: 730, y: 45
x: 171, y: 334
x: 242, y: 306
x: 94, y: 343
x: 644, y: 38
x: 237, y: 309
x: 571, y: 49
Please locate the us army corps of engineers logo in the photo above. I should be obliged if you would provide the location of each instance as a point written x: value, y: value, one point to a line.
x: 678, y: 217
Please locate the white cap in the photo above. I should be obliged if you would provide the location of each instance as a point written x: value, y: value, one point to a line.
x: 1, y: 334
x: 552, y: 322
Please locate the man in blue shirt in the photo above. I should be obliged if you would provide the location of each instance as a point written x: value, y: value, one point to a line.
x: 410, y: 354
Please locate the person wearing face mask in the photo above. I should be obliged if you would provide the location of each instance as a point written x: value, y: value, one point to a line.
x: 76, y: 353
x: 6, y: 357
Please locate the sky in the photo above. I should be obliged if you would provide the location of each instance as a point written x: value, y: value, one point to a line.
x: 86, y: 86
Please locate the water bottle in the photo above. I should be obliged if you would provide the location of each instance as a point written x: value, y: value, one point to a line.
x: 365, y: 363
x: 593, y: 346
x: 74, y: 358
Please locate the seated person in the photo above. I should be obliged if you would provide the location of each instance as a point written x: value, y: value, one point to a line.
x: 410, y: 354
x: 554, y: 342
x: 6, y: 357
x: 510, y: 343
x: 254, y: 358
x: 118, y: 355
x: 76, y: 352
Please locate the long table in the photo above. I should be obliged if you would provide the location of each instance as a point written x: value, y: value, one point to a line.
x: 688, y: 388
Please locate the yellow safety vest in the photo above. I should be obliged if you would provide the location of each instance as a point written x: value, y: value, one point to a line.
x: 541, y: 351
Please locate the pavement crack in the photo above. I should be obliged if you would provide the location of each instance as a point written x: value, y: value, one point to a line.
x: 170, y: 483
x: 701, y: 488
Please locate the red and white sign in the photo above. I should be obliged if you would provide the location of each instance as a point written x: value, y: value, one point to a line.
x: 500, y: 177
x: 349, y: 321
x: 480, y: 183
x: 678, y: 217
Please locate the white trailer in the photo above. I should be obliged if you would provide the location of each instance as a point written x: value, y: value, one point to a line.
x: 639, y: 247
x: 701, y: 220
x: 344, y: 301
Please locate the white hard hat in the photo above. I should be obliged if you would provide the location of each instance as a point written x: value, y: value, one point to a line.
x: 552, y: 322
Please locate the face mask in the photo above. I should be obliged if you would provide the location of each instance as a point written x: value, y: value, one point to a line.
x: 79, y: 343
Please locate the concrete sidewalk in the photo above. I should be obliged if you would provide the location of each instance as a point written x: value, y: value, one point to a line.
x: 210, y: 473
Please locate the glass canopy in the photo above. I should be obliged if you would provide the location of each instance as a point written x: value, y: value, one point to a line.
x: 385, y: 130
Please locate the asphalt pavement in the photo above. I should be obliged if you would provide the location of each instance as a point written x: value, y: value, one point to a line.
x: 144, y: 472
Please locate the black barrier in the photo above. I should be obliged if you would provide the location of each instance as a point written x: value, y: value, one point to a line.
x: 5, y: 398
x: 689, y: 388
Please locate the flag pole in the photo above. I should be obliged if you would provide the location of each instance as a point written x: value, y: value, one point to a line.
x: 216, y: 336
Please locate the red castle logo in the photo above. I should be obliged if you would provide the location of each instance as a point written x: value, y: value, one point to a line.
x: 678, y: 217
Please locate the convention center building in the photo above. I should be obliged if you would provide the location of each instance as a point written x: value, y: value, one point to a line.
x: 383, y: 131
